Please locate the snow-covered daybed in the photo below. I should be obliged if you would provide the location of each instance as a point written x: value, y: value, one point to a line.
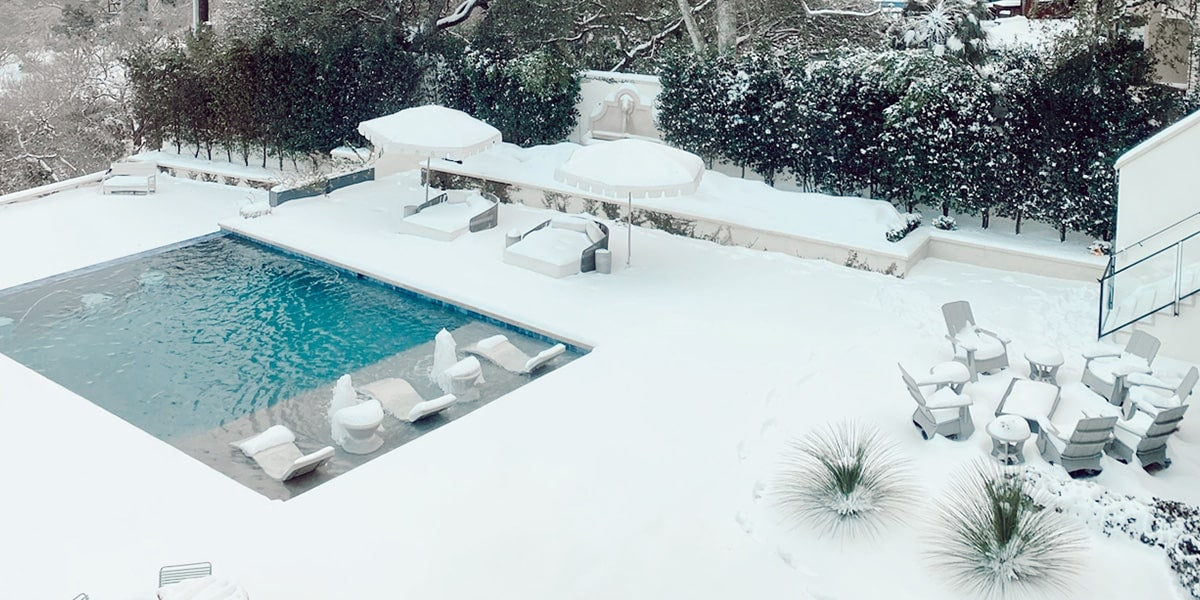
x: 559, y: 247
x: 451, y: 214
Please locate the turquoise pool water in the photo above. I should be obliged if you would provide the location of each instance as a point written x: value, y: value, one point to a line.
x: 190, y: 339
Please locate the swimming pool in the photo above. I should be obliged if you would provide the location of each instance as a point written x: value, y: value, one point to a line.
x: 215, y: 339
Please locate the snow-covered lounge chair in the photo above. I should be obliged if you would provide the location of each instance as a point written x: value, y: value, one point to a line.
x: 1151, y: 395
x: 502, y: 352
x: 1077, y: 443
x: 1107, y: 367
x: 450, y: 214
x: 943, y: 412
x: 275, y: 451
x: 130, y: 177
x: 1146, y: 436
x: 559, y: 247
x: 400, y: 400
x: 982, y: 350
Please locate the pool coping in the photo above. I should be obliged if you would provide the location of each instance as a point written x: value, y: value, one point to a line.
x: 574, y: 345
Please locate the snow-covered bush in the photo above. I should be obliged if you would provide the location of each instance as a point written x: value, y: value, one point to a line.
x: 944, y: 223
x: 1100, y: 248
x: 911, y: 222
x: 944, y: 27
x: 992, y: 539
x: 530, y: 99
x: 845, y: 479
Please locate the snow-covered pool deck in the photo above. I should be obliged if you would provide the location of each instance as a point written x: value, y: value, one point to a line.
x: 627, y: 474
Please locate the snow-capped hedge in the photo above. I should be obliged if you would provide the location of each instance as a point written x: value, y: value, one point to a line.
x: 1029, y: 136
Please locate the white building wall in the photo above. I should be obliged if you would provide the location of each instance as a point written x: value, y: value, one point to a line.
x: 600, y: 86
x: 1159, y: 188
x: 1159, y: 184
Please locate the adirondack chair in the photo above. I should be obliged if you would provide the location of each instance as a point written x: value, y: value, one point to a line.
x: 943, y: 411
x: 1146, y: 436
x: 981, y: 350
x: 1106, y: 369
x: 1151, y: 395
x: 1077, y: 448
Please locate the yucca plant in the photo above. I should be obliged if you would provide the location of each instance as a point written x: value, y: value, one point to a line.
x: 991, y: 537
x: 844, y: 479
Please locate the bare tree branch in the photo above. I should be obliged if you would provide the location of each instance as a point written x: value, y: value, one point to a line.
x: 461, y: 13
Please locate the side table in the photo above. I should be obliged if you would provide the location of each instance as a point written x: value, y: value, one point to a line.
x: 1008, y: 433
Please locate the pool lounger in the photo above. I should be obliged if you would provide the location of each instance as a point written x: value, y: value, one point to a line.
x: 400, y: 400
x: 276, y: 452
x: 501, y: 351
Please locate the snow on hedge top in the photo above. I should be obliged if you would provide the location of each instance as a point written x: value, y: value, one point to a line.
x: 644, y: 169
x: 431, y: 131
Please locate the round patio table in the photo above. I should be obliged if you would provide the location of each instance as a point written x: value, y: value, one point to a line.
x: 1008, y: 433
x: 1044, y: 362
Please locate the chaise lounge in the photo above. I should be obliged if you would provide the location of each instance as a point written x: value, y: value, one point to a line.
x: 400, y: 400
x: 502, y: 352
x: 451, y: 214
x: 558, y: 247
x: 276, y: 452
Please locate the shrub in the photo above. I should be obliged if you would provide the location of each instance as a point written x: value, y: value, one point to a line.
x: 911, y: 222
x: 844, y: 479
x: 1100, y: 248
x: 945, y: 223
x: 995, y: 541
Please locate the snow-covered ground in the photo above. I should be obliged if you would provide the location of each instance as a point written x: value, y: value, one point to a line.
x: 630, y: 473
x: 1021, y: 31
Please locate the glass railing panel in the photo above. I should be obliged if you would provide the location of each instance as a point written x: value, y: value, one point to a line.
x: 1139, y: 289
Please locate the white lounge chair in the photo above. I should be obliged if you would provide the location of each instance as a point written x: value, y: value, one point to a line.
x: 400, y: 400
x: 981, y: 350
x: 943, y: 411
x: 1076, y: 441
x: 1146, y: 436
x: 275, y: 451
x: 1107, y: 367
x: 501, y: 351
x: 130, y: 177
x: 451, y: 214
x: 1150, y: 395
x: 559, y: 247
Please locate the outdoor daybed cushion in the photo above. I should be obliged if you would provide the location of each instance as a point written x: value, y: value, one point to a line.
x: 202, y: 588
x: 400, y: 400
x: 447, y: 220
x: 555, y: 250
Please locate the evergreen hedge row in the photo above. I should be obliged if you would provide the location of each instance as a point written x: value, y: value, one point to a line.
x: 306, y: 98
x: 1031, y: 136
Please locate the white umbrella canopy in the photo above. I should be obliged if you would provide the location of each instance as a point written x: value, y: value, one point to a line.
x: 628, y: 168
x: 431, y: 131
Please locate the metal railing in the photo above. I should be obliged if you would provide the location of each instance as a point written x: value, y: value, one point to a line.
x: 176, y: 573
x: 1148, y: 285
x: 1155, y: 234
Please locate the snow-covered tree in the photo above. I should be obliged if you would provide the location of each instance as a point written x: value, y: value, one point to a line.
x: 944, y: 27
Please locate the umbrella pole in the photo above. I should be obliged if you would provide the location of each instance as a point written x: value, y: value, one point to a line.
x: 629, y: 241
x: 427, y: 174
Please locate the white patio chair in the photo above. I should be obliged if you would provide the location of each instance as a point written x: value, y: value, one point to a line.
x: 981, y: 350
x: 1107, y: 367
x: 943, y: 411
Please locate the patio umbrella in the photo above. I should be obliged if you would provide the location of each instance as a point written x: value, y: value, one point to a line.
x: 632, y: 168
x: 430, y: 131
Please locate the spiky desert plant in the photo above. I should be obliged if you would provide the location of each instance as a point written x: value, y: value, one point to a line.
x: 844, y: 479
x: 993, y: 539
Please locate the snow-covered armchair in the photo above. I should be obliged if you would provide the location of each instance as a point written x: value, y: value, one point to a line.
x: 981, y: 350
x: 1150, y: 395
x: 1107, y: 368
x: 943, y: 411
